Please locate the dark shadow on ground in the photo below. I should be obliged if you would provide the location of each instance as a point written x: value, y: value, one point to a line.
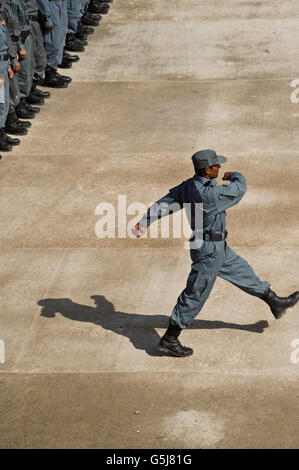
x: 140, y: 329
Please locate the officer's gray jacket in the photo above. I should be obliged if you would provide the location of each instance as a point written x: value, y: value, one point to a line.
x: 3, y: 41
x: 45, y: 9
x: 13, y: 32
x: 20, y: 10
x: 31, y: 6
x: 214, y: 198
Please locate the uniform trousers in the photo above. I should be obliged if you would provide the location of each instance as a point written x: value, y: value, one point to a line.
x: 214, y: 259
x: 73, y: 11
x: 4, y: 106
x: 54, y: 40
x: 39, y: 54
x: 25, y: 74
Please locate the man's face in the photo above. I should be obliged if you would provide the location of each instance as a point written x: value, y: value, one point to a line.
x: 213, y: 171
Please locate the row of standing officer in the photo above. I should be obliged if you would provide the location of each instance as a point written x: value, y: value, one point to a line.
x: 36, y: 38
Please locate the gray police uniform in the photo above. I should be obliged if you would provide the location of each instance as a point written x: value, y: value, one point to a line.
x: 25, y: 74
x: 39, y: 54
x: 54, y: 12
x: 13, y: 36
x: 4, y: 64
x: 213, y: 258
x: 73, y: 11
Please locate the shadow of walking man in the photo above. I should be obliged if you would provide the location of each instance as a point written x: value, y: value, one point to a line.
x: 139, y: 329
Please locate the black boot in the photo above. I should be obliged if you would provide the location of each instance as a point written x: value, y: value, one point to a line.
x: 28, y: 106
x: 7, y: 139
x: 4, y: 145
x: 52, y: 79
x: 89, y: 21
x: 81, y: 35
x: 94, y: 7
x: 84, y: 29
x: 13, y: 126
x: 40, y: 93
x: 65, y: 63
x: 32, y: 98
x: 169, y: 343
x: 73, y: 45
x: 64, y: 77
x: 72, y: 58
x: 22, y: 111
x: 278, y: 305
x: 71, y: 39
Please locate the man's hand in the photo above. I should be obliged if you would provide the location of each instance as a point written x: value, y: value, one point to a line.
x: 139, y: 230
x: 50, y: 27
x: 226, y: 176
x: 16, y: 67
x: 23, y: 54
x: 2, y: 81
x: 10, y: 72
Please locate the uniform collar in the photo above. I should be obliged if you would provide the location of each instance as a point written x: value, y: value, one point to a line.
x: 205, y: 181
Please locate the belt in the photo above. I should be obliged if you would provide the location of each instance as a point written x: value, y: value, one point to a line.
x: 33, y: 16
x: 4, y: 57
x: 214, y: 237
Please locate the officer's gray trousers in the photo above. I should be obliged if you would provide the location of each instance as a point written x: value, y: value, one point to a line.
x: 14, y: 92
x: 215, y: 259
x: 63, y: 31
x: 39, y: 54
x: 4, y: 106
x: 73, y: 13
x: 25, y: 75
x: 54, y: 40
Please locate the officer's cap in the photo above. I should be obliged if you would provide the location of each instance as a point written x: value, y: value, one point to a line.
x: 205, y: 158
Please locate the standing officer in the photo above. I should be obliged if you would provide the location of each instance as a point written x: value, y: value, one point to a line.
x: 210, y: 254
x: 54, y: 27
x: 6, y: 73
x: 13, y: 32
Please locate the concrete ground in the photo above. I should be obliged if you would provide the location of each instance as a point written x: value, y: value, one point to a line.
x: 80, y: 315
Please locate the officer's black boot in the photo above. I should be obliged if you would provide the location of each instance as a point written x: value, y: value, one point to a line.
x: 36, y: 91
x: 72, y: 58
x: 34, y: 99
x: 52, y: 80
x: 14, y: 126
x: 28, y: 106
x: 71, y: 39
x: 169, y: 343
x: 64, y: 78
x: 84, y: 29
x: 278, y: 305
x: 23, y: 112
x: 95, y: 7
x: 4, y: 145
x: 73, y: 45
x: 65, y: 63
x: 5, y: 138
x: 89, y: 20
x: 81, y: 35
